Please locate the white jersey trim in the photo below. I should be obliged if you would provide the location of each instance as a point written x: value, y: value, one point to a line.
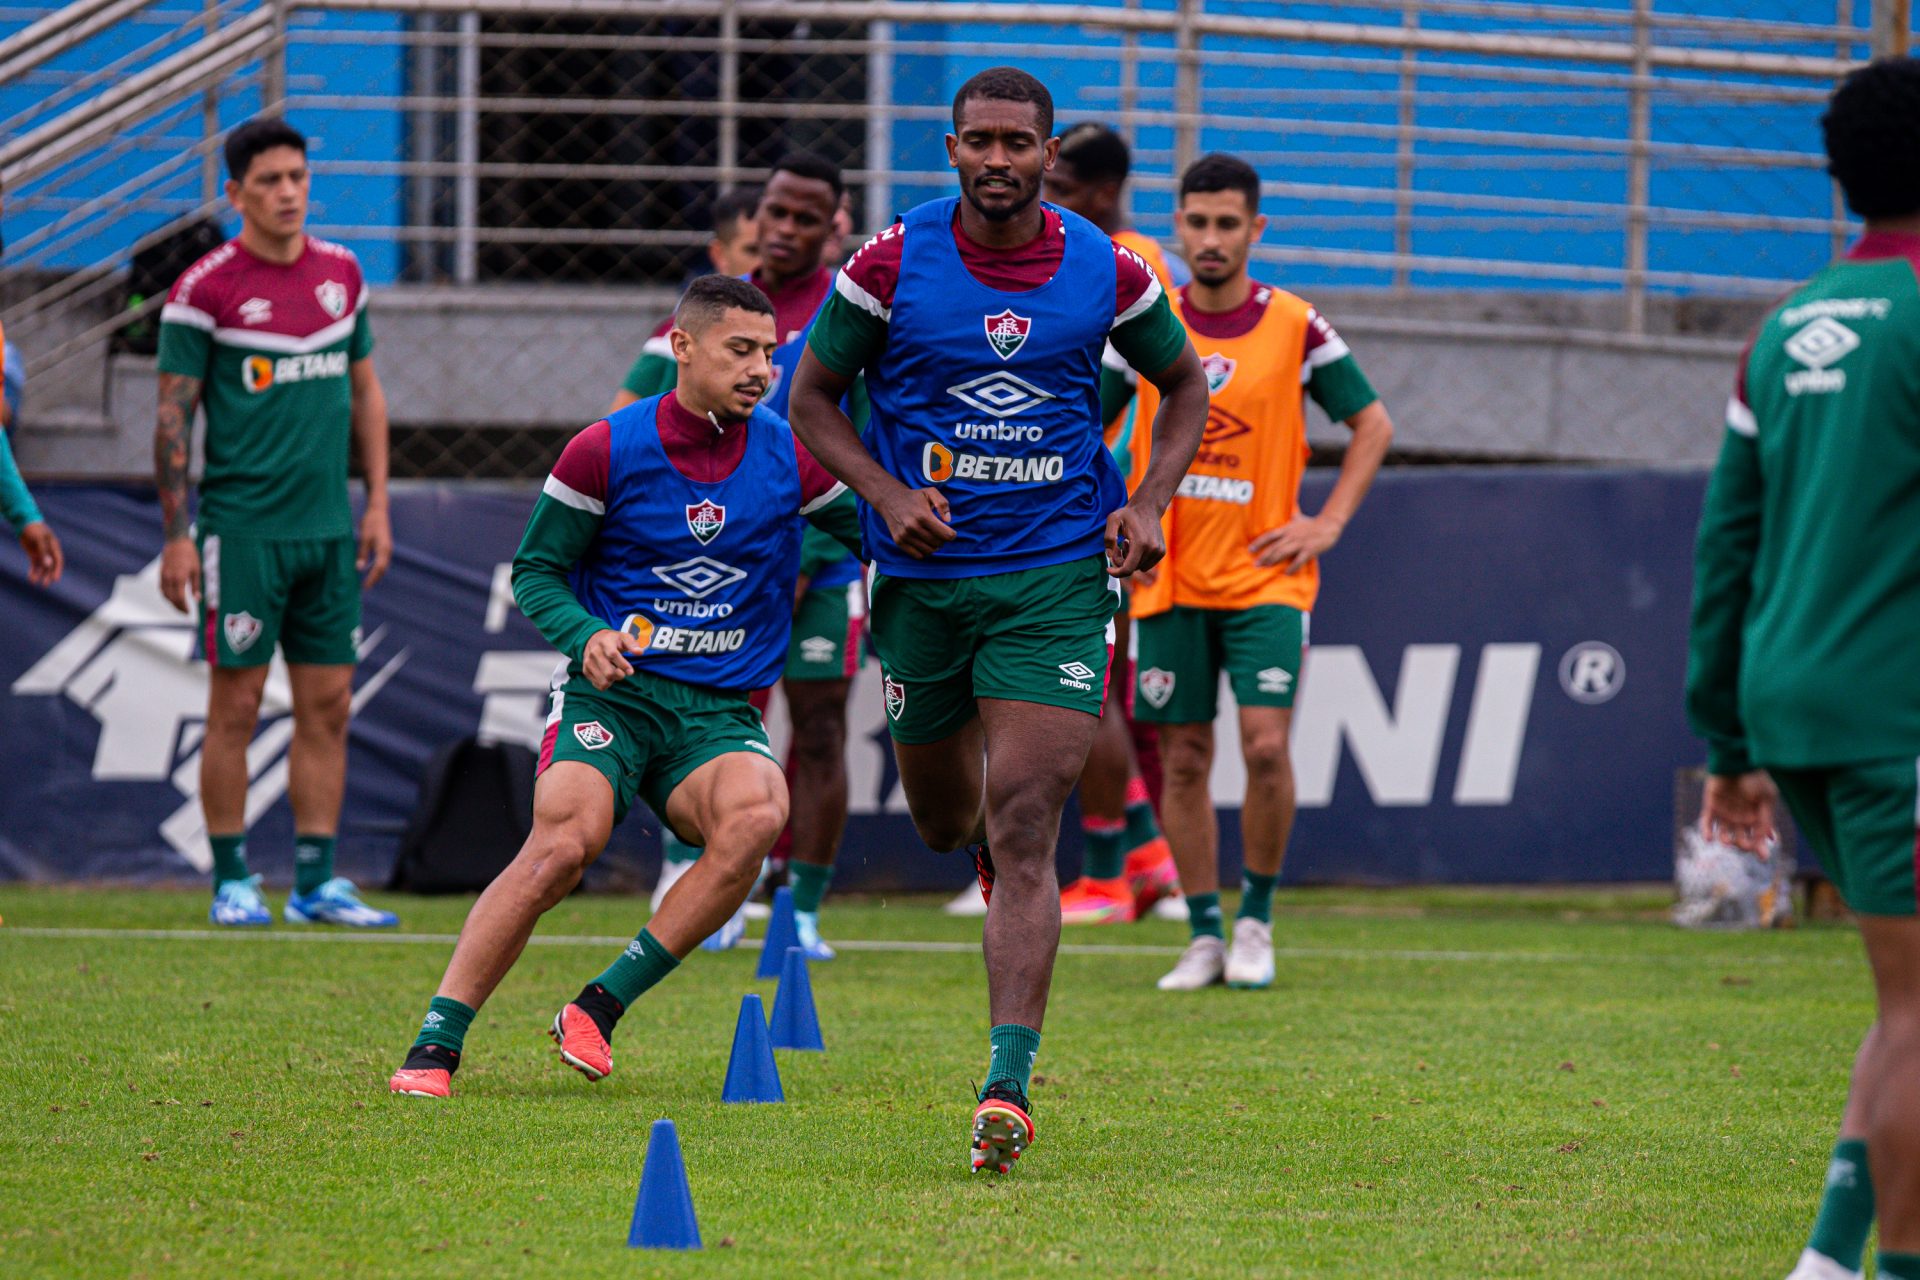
x: 1740, y: 419
x: 285, y: 343
x: 567, y: 496
x: 660, y: 346
x: 844, y: 286
x: 1141, y: 304
x: 824, y: 499
x: 181, y: 313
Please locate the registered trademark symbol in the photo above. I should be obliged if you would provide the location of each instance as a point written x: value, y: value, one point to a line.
x: 1593, y: 672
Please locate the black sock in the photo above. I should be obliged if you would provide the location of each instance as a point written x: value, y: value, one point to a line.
x: 598, y: 1003
x: 428, y: 1057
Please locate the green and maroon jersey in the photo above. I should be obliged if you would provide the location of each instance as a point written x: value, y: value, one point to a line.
x: 271, y: 345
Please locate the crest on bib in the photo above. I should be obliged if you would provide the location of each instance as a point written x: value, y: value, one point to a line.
x: 896, y: 695
x: 1219, y: 371
x: 1007, y: 333
x: 705, y: 520
x: 1156, y: 686
x: 242, y: 630
x: 332, y: 297
x: 593, y: 735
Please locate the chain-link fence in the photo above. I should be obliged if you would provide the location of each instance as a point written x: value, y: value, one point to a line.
x: 1476, y: 188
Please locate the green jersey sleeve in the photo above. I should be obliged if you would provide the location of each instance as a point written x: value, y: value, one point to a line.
x: 1340, y: 388
x: 185, y: 349
x: 360, y: 345
x: 1723, y: 560
x: 1151, y: 340
x: 840, y: 521
x: 557, y: 536
x: 16, y: 504
x: 846, y: 338
x: 654, y: 371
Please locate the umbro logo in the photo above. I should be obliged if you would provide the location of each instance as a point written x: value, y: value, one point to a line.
x: 1821, y: 343
x: 256, y: 311
x: 699, y: 577
x: 1274, y: 680
x: 818, y: 649
x: 1078, y: 675
x: 999, y: 394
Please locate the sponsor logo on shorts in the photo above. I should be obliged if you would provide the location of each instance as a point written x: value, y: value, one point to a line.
x: 1219, y: 370
x: 1818, y: 345
x: 699, y: 577
x: 593, y: 735
x: 818, y: 649
x: 705, y: 520
x: 242, y: 630
x: 1273, y: 680
x: 1156, y: 686
x: 1078, y: 676
x: 1216, y: 489
x: 332, y: 297
x: 896, y: 696
x: 257, y: 373
x: 999, y: 394
x: 256, y: 311
x: 1007, y: 333
x: 942, y: 464
x: 761, y: 747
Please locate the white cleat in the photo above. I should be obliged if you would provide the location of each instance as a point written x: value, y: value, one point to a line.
x: 1818, y: 1266
x: 1201, y: 965
x: 968, y: 903
x: 728, y: 935
x: 670, y: 872
x: 1250, y: 959
x: 1173, y: 907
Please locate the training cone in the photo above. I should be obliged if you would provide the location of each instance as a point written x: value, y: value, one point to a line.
x: 751, y: 1075
x: 795, y: 1023
x: 663, y: 1211
x: 780, y: 934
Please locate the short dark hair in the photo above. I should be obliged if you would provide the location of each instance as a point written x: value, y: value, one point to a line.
x: 710, y: 297
x: 1218, y: 171
x: 804, y: 164
x: 262, y: 133
x: 729, y: 207
x: 1095, y: 153
x: 1006, y: 84
x: 1872, y: 130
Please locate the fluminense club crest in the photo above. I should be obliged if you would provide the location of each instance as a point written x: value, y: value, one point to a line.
x: 332, y: 296
x: 1219, y: 371
x: 1156, y: 686
x: 1007, y: 333
x: 705, y: 520
x: 896, y: 696
x: 242, y: 630
x: 593, y: 735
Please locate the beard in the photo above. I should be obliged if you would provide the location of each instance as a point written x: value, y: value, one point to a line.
x: 1022, y: 200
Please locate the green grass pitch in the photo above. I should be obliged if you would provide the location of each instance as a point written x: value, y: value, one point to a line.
x: 1440, y: 1084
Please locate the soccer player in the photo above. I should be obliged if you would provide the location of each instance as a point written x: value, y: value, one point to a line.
x: 733, y: 251
x: 1242, y: 566
x: 1806, y: 604
x: 660, y: 559
x: 45, y: 560
x: 1128, y: 866
x: 795, y: 223
x: 269, y: 334
x: 988, y: 498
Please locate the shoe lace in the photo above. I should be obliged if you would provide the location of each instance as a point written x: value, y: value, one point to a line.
x: 241, y: 892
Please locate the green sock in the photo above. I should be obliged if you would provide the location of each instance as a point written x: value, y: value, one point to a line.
x: 674, y: 849
x: 446, y: 1024
x: 1899, y: 1266
x: 229, y: 858
x: 1256, y: 896
x: 1846, y: 1206
x: 1106, y: 849
x: 1141, y: 826
x: 639, y: 967
x: 809, y: 884
x: 312, y: 862
x: 1014, y: 1049
x: 1203, y: 915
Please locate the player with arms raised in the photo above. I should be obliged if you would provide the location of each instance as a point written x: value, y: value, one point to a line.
x: 1806, y: 605
x: 988, y: 498
x: 660, y: 559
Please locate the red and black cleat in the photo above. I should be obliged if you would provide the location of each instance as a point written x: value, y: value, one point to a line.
x: 582, y: 1046
x: 1002, y: 1129
x: 983, y: 867
x: 427, y: 1072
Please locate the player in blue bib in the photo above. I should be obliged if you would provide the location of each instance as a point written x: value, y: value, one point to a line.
x: 660, y: 560
x: 997, y: 519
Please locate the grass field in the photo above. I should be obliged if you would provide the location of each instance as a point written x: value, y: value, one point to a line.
x: 1441, y: 1084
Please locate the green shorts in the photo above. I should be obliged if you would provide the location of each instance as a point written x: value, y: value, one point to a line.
x: 1178, y: 657
x: 647, y: 733
x: 829, y: 634
x: 1861, y: 820
x: 300, y: 593
x: 1038, y: 635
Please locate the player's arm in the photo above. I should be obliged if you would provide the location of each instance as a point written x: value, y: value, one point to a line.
x: 1153, y: 339
x: 173, y: 429
x: 1738, y: 805
x: 45, y: 560
x: 370, y: 436
x: 1117, y: 383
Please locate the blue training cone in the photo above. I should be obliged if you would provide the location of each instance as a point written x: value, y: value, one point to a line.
x: 781, y: 934
x: 795, y: 1023
x: 751, y: 1074
x: 663, y: 1211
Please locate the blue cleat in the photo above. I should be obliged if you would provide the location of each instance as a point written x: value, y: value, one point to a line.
x: 238, y: 904
x: 728, y: 935
x: 807, y: 925
x: 337, y: 902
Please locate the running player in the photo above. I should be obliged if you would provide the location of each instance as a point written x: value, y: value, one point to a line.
x: 1242, y: 566
x: 1128, y: 866
x: 1806, y: 602
x: 269, y: 334
x: 44, y: 557
x: 988, y: 499
x: 733, y: 251
x: 795, y: 223
x: 696, y: 489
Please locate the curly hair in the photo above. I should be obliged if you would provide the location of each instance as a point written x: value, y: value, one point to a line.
x: 1872, y: 131
x: 1007, y: 84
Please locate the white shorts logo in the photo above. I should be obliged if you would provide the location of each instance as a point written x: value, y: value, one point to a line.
x: 896, y: 695
x: 593, y: 735
x: 1078, y: 675
x: 818, y: 649
x: 1156, y: 686
x: 1274, y: 680
x: 242, y: 630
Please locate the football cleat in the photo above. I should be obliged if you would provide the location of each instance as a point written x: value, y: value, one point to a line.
x: 582, y: 1047
x: 336, y: 902
x: 1250, y: 958
x: 806, y: 924
x: 728, y: 935
x: 1202, y: 964
x: 1818, y: 1266
x: 983, y: 867
x: 967, y: 902
x: 238, y: 904
x: 417, y: 1082
x: 1002, y: 1130
x: 1174, y: 908
x: 1089, y: 901
x: 1151, y: 873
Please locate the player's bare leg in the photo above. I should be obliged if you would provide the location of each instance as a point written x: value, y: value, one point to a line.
x: 1266, y: 823
x: 1893, y: 1101
x: 233, y: 711
x: 1186, y: 807
x: 1101, y: 894
x: 945, y: 786
x: 817, y: 783
x: 316, y: 782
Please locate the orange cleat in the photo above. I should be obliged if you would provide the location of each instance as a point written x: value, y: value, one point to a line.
x: 1088, y: 901
x: 1002, y: 1129
x: 1151, y: 873
x: 422, y: 1082
x: 582, y: 1047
